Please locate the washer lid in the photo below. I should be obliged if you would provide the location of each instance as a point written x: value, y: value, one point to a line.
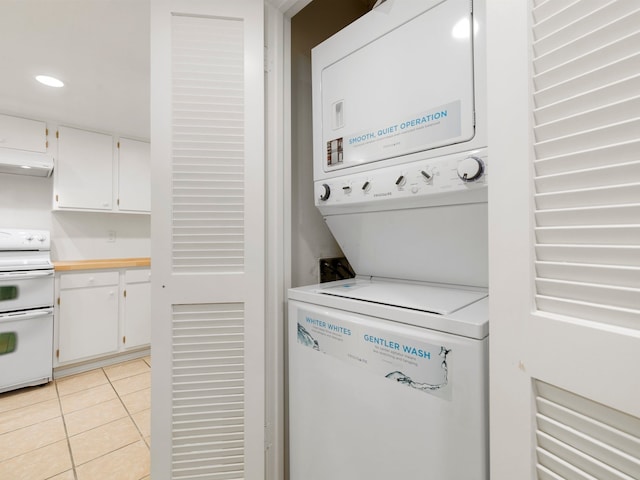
x: 424, y: 298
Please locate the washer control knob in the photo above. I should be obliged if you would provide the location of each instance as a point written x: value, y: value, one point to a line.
x: 346, y: 189
x: 470, y: 169
x: 427, y: 174
x: 401, y: 180
x: 366, y: 186
x: 325, y: 192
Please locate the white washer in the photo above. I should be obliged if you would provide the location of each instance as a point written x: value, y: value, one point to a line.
x: 381, y: 389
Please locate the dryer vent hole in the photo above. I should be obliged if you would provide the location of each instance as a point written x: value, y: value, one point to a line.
x: 336, y: 268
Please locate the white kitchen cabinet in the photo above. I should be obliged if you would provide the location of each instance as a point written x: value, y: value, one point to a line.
x: 101, y: 313
x: 136, y: 313
x: 87, y: 315
x: 23, y: 134
x: 84, y: 170
x: 134, y: 176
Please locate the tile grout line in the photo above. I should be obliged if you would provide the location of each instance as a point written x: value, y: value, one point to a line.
x: 125, y: 407
x: 110, y: 383
x: 129, y: 414
x: 29, y: 406
x: 66, y: 433
x: 34, y: 449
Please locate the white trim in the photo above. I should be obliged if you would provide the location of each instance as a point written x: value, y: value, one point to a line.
x: 161, y: 336
x: 278, y: 149
x: 510, y: 227
x: 276, y: 207
x: 289, y: 7
x: 66, y: 370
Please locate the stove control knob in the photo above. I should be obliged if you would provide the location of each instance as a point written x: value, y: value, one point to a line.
x: 470, y: 169
x: 28, y: 237
x: 325, y: 192
x: 40, y: 238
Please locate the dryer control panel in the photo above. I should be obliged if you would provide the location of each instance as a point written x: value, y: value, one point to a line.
x: 454, y: 179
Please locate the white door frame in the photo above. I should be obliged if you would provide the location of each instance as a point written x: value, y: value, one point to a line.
x: 278, y: 14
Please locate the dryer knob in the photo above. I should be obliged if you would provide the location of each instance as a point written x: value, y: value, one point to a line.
x: 325, y: 192
x: 470, y: 169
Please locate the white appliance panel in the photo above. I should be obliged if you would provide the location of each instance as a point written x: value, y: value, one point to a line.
x: 424, y: 182
x: 405, y: 90
x: 425, y: 298
x: 26, y: 289
x: 26, y: 340
x: 470, y: 321
x: 445, y: 244
x: 350, y: 421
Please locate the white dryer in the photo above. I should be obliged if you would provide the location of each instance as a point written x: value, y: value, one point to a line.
x: 388, y: 372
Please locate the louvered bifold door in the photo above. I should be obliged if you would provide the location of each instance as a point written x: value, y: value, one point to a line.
x: 586, y: 184
x: 564, y: 223
x: 587, y: 159
x: 208, y: 239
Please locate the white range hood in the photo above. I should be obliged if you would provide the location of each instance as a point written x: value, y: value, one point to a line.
x: 20, y: 162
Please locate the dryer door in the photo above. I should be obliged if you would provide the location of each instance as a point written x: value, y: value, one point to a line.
x: 406, y: 91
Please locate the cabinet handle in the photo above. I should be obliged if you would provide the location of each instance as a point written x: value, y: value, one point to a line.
x: 124, y: 339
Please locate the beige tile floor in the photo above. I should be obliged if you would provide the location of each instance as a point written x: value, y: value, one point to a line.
x: 90, y: 426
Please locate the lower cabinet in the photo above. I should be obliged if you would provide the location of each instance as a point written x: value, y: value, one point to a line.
x: 136, y: 309
x: 87, y: 315
x: 101, y: 313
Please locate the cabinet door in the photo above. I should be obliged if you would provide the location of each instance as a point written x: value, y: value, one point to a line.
x: 88, y: 322
x: 84, y: 171
x: 134, y: 176
x: 137, y: 315
x: 23, y: 134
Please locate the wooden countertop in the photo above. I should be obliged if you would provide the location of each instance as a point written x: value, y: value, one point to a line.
x: 68, y: 265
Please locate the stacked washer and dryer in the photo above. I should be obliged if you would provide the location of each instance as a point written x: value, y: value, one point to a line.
x: 388, y: 372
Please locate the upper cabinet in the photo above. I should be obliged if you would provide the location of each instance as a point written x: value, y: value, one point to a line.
x: 84, y: 170
x: 134, y: 173
x: 23, y: 134
x: 98, y: 172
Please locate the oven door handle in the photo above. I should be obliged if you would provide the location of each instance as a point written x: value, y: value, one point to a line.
x: 25, y: 275
x: 5, y: 317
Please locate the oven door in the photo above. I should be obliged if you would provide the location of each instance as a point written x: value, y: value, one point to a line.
x: 26, y: 348
x: 23, y: 290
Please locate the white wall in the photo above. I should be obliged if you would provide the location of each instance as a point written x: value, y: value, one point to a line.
x: 84, y: 235
x: 25, y: 202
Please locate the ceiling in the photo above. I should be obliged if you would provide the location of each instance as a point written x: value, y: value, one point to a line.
x: 99, y: 48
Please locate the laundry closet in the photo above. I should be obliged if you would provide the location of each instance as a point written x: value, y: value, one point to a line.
x: 401, y: 173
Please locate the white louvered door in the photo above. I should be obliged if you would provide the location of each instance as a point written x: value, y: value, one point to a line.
x: 208, y: 239
x: 564, y: 90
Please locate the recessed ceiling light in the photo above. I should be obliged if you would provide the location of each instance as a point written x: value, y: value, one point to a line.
x: 49, y: 81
